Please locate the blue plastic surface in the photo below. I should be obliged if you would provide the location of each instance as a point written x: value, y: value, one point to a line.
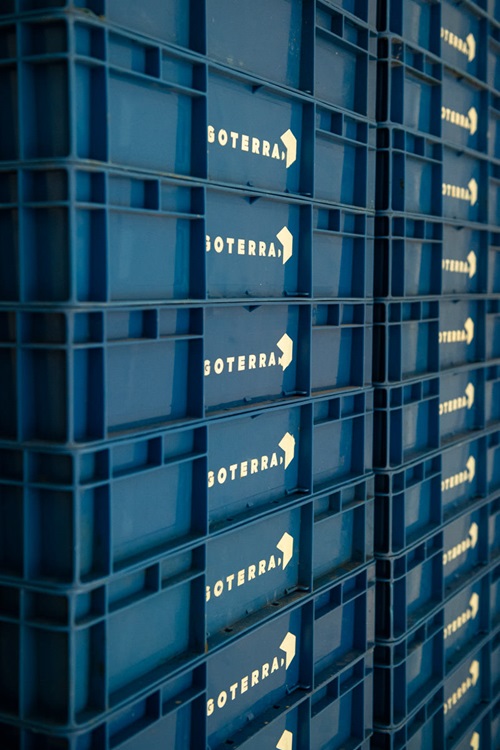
x: 466, y: 620
x: 407, y: 257
x: 418, y: 23
x: 465, y: 186
x: 463, y: 39
x: 409, y: 172
x: 465, y: 260
x: 409, y: 588
x: 408, y: 505
x: 406, y: 422
x: 461, y: 403
x: 407, y: 672
x: 464, y: 691
x: 406, y: 340
x: 463, y: 479
x: 464, y: 112
x: 139, y: 238
x: 461, y: 332
x: 465, y: 546
x: 409, y: 87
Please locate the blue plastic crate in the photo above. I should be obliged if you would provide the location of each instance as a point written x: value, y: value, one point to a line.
x: 466, y: 262
x: 407, y: 505
x: 465, y: 547
x: 461, y: 332
x: 409, y: 85
x: 461, y: 403
x: 465, y: 692
x: 409, y: 173
x: 342, y: 532
x: 173, y: 715
x: 464, y: 112
x: 466, y: 620
x: 342, y: 253
x: 424, y: 728
x: 463, y: 476
x: 76, y: 377
x: 361, y: 9
x: 407, y: 257
x: 344, y: 160
x: 406, y: 672
x: 406, y: 340
x: 134, y: 103
x: 177, y: 24
x: 406, y: 422
x: 493, y: 51
x: 80, y: 642
x: 463, y: 39
x: 465, y: 186
x: 409, y: 588
x: 417, y: 23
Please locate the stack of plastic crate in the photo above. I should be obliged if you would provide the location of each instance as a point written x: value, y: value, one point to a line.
x: 437, y: 531
x: 186, y: 501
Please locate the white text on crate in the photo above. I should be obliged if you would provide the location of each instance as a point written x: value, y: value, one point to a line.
x: 237, y: 246
x: 257, y: 146
x: 241, y: 362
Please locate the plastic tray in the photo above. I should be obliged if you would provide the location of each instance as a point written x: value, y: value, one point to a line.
x: 406, y: 340
x: 408, y: 505
x: 409, y: 172
x: 409, y: 588
x: 461, y: 332
x: 407, y: 672
x: 202, y: 242
x: 407, y: 257
x: 406, y: 422
x: 465, y: 187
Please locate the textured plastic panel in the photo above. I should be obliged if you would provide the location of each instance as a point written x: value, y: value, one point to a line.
x: 461, y: 403
x: 409, y: 87
x: 465, y: 261
x: 406, y: 422
x: 463, y: 475
x: 407, y: 257
x: 463, y: 39
x: 409, y: 172
x: 408, y: 505
x: 407, y: 671
x: 406, y: 340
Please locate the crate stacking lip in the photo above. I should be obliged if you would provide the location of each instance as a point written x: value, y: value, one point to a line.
x: 406, y: 422
x: 72, y: 518
x: 175, y: 715
x: 274, y: 661
x: 138, y: 238
x: 461, y: 332
x: 327, y: 638
x: 135, y: 369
